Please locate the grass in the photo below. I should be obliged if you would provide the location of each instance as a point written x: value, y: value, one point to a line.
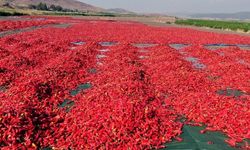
x: 78, y: 13
x: 216, y: 24
x: 11, y: 12
x: 18, y: 12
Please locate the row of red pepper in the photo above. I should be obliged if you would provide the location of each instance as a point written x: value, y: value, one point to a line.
x: 12, y: 25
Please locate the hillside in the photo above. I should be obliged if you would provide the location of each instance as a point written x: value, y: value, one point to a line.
x: 119, y: 11
x: 69, y: 4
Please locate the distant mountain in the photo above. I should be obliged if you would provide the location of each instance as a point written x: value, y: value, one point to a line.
x: 238, y: 16
x: 119, y: 11
x: 69, y: 4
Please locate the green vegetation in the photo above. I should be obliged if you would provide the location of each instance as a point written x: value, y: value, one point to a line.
x: 11, y: 12
x: 232, y: 25
x: 43, y: 6
x: 101, y: 14
x: 18, y: 12
x: 44, y: 9
x: 3, y: 13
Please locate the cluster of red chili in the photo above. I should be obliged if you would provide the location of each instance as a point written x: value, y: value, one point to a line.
x: 133, y: 102
x: 18, y: 24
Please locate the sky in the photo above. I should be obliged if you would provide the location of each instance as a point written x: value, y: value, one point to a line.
x: 175, y: 6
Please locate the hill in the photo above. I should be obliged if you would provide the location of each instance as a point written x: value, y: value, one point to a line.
x: 69, y: 4
x: 119, y: 11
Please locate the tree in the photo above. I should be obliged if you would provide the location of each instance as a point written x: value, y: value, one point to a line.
x: 59, y: 8
x: 42, y: 6
x: 32, y: 6
x: 52, y: 7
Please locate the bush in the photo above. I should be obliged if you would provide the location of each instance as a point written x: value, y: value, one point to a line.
x: 3, y: 13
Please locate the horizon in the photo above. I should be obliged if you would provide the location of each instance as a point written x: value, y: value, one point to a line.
x: 174, y: 6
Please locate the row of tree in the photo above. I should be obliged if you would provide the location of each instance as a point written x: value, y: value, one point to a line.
x: 43, y: 6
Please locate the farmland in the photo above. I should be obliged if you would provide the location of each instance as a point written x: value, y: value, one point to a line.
x: 216, y: 24
x: 70, y: 83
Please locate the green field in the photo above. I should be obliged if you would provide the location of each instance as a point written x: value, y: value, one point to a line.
x: 216, y: 24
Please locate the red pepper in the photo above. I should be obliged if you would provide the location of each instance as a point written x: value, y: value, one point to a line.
x: 132, y: 103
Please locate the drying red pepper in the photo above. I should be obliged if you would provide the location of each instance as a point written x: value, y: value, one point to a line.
x: 61, y: 88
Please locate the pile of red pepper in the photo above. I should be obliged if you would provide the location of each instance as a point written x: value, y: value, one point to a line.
x: 125, y: 97
x: 18, y: 24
